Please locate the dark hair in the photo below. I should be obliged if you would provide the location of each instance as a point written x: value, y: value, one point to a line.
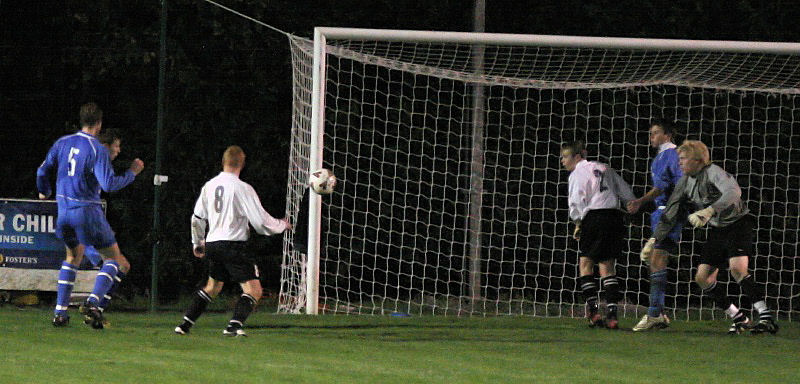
x: 667, y: 126
x: 576, y: 147
x: 108, y: 136
x: 91, y: 114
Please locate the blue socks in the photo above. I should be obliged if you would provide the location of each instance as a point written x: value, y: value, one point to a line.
x: 66, y: 280
x: 103, y: 283
x: 658, y: 286
x: 106, y: 299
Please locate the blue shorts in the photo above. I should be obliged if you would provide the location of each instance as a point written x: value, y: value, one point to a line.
x: 670, y: 243
x: 84, y: 225
x: 93, y: 256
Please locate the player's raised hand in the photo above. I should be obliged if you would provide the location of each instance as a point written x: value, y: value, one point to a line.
x: 288, y: 224
x: 137, y: 165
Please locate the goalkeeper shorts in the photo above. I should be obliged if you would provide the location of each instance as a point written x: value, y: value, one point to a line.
x: 723, y: 243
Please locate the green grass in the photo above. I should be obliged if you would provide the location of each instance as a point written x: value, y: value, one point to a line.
x: 140, y: 348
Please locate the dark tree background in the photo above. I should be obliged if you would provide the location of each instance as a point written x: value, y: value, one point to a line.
x: 229, y: 82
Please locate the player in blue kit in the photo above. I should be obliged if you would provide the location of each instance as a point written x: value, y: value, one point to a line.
x: 112, y: 140
x: 665, y: 173
x: 83, y: 167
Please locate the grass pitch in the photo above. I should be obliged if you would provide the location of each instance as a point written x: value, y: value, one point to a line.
x: 140, y: 348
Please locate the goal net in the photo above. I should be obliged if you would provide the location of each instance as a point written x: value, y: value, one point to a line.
x: 451, y: 199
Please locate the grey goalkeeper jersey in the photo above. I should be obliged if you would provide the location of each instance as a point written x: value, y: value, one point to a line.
x: 712, y: 186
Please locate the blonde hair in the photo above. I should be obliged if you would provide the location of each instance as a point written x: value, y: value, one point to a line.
x: 696, y: 150
x: 233, y: 157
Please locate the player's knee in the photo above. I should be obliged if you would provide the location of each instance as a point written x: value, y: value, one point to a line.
x: 738, y: 275
x: 256, y: 293
x: 213, y: 288
x: 703, y: 280
x: 124, y: 265
x: 74, y: 259
x: 658, y: 260
x: 253, y: 290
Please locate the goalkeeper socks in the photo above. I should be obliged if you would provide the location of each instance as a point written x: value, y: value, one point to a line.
x: 756, y: 294
x: 589, y: 290
x: 739, y: 317
x: 196, y: 308
x: 720, y: 297
x: 658, y: 286
x: 66, y: 280
x: 242, y: 310
x: 733, y: 311
x: 751, y: 289
x: 106, y: 299
x: 103, y: 282
x: 763, y: 312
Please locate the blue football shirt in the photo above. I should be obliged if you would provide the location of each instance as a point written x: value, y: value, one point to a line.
x: 666, y: 172
x: 83, y: 167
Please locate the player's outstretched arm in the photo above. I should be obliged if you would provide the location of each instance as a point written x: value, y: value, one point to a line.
x: 137, y: 165
x: 621, y: 186
x: 634, y: 205
x: 258, y: 217
x: 104, y: 172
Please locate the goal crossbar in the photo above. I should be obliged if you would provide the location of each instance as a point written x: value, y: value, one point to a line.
x: 780, y: 48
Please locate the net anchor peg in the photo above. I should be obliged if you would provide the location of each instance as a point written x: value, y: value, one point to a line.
x: 158, y: 179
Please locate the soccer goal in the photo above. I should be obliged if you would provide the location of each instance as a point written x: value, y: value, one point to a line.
x: 451, y: 200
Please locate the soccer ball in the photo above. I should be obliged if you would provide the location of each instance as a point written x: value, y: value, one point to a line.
x: 322, y: 181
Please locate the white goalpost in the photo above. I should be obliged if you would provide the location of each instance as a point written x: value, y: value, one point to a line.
x: 452, y: 205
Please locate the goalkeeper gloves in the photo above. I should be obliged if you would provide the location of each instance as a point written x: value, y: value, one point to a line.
x: 647, y: 250
x: 701, y: 217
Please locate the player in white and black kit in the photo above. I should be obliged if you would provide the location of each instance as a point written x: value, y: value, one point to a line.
x: 228, y: 205
x: 715, y: 198
x: 595, y: 195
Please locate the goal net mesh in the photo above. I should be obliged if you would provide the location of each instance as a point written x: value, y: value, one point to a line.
x: 398, y: 134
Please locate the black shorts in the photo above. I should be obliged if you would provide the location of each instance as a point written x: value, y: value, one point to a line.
x: 723, y: 243
x: 228, y: 261
x: 602, y: 235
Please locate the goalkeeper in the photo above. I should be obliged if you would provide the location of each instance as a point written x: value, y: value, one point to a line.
x: 715, y: 198
x: 595, y: 193
x: 665, y: 172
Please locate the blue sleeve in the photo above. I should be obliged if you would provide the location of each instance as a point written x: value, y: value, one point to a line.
x: 104, y: 172
x: 45, y: 170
